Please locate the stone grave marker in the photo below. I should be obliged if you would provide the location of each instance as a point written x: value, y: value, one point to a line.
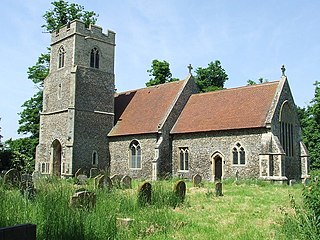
x: 83, y: 199
x: 108, y: 183
x: 116, y: 179
x: 292, y: 182
x: 27, y: 189
x: 12, y: 178
x: 306, y: 181
x: 180, y: 190
x: 83, y: 179
x: 196, y: 179
x: 36, y: 176
x: 26, y: 177
x: 126, y: 182
x: 219, y: 189
x: 96, y: 179
x: 94, y: 172
x: 100, y: 182
x: 237, y: 175
x: 78, y: 172
x: 144, y: 194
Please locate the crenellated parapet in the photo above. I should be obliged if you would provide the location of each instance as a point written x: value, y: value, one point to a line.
x: 78, y: 27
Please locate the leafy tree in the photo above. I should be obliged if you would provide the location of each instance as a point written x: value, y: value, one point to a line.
x: 211, y: 78
x: 22, y: 151
x: 310, y: 123
x: 63, y: 13
x: 260, y: 80
x: 160, y: 73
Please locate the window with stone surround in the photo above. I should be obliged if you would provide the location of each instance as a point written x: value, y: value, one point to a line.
x: 184, y: 158
x: 94, y: 58
x: 61, y: 57
x: 238, y: 155
x: 286, y: 129
x: 94, y: 158
x: 135, y: 155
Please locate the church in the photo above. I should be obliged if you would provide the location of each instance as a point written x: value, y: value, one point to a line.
x: 168, y: 130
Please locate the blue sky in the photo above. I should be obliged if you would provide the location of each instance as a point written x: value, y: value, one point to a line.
x: 251, y: 38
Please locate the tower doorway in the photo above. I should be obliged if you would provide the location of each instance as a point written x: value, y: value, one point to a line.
x: 56, y: 158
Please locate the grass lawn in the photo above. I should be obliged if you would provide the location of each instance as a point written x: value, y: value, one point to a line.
x: 248, y: 210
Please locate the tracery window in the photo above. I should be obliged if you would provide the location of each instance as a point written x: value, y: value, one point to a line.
x: 184, y: 159
x: 94, y: 58
x: 135, y: 155
x: 238, y: 155
x: 61, y: 57
x: 286, y: 129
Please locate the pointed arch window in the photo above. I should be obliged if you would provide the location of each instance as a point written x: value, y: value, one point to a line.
x: 238, y: 155
x: 94, y: 58
x: 61, y: 57
x: 94, y: 158
x: 135, y: 155
x: 286, y: 129
x: 184, y: 158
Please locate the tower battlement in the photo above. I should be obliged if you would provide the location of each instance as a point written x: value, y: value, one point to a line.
x: 78, y: 27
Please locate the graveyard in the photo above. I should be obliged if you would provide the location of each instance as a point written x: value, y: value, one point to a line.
x: 102, y: 207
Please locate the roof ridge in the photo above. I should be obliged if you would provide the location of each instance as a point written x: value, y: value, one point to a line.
x: 237, y: 88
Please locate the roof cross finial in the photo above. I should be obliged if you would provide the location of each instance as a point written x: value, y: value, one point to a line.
x: 283, y: 69
x: 190, y: 68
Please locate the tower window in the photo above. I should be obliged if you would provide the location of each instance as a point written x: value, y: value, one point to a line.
x: 94, y: 158
x: 135, y: 154
x: 94, y: 58
x: 61, y: 57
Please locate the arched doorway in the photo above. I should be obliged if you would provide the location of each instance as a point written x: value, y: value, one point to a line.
x: 217, y: 169
x: 56, y: 158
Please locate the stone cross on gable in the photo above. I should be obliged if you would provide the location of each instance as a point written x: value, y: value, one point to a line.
x: 190, y: 68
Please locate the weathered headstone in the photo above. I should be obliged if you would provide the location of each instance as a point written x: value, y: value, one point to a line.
x: 83, y: 179
x: 237, y: 175
x: 95, y: 180
x: 116, y: 179
x: 78, y: 172
x: 12, y: 178
x: 292, y: 182
x: 180, y: 190
x: 26, y: 177
x: 100, y: 182
x: 94, y: 172
x: 107, y: 183
x: 126, y: 182
x: 219, y: 189
x: 36, y: 176
x: 196, y: 179
x: 306, y: 181
x: 144, y: 194
x: 84, y: 199
x: 27, y: 189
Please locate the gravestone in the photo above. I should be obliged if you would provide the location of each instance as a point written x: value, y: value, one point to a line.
x: 95, y: 180
x: 78, y: 172
x: 292, y: 182
x: 126, y: 182
x: 26, y: 177
x: 116, y: 179
x: 27, y: 189
x: 35, y: 176
x: 12, y: 178
x: 83, y: 179
x: 196, y: 179
x: 107, y: 183
x: 306, y: 181
x: 144, y: 194
x: 237, y: 175
x: 180, y: 190
x: 100, y: 182
x: 83, y: 199
x: 94, y: 172
x: 219, y: 189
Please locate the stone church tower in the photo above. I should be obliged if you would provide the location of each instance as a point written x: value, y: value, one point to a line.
x: 78, y: 101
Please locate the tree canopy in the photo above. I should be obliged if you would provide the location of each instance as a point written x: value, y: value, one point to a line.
x: 160, y: 73
x: 260, y: 80
x: 211, y: 78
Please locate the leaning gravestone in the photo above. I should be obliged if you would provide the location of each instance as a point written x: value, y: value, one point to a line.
x: 180, y: 190
x: 83, y: 179
x: 84, y: 199
x: 107, y: 183
x: 196, y: 179
x: 144, y: 194
x: 12, y: 178
x: 126, y: 182
x: 94, y: 172
x: 219, y: 189
x: 116, y: 179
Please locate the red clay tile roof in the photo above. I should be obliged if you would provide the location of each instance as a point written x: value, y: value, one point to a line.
x: 143, y: 110
x: 235, y: 108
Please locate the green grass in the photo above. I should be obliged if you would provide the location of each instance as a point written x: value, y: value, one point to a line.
x: 250, y: 209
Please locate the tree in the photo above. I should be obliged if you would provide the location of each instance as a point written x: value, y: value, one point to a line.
x: 22, y: 151
x: 310, y: 124
x: 160, y: 73
x: 63, y: 13
x: 211, y: 78
x: 260, y: 80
